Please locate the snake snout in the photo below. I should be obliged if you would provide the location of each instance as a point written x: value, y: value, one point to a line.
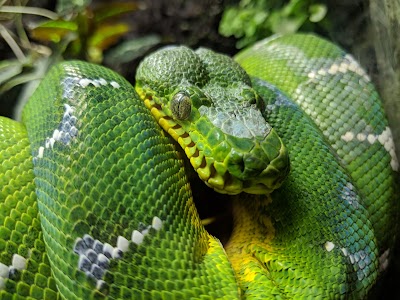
x: 260, y: 170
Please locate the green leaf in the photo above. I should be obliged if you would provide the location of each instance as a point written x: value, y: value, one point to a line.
x: 132, y: 49
x: 285, y: 25
x: 17, y: 80
x: 231, y: 23
x: 317, y: 12
x: 106, y: 35
x: 54, y: 31
x: 103, y: 38
x: 252, y: 20
x: 106, y: 11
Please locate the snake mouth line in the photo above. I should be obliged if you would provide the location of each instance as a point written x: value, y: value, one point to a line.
x: 204, y: 166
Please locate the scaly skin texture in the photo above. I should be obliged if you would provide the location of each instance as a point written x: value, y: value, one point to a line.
x: 91, y: 165
x: 21, y: 237
x: 105, y: 173
x: 229, y: 143
x: 333, y: 90
x: 336, y: 93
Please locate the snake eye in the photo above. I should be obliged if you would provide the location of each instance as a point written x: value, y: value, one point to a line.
x: 181, y: 106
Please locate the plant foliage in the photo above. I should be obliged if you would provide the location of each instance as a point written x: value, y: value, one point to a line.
x: 252, y: 20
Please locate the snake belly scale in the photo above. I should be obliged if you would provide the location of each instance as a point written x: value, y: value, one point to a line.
x: 95, y: 202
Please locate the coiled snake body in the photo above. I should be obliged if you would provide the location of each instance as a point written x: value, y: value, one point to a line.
x: 94, y: 198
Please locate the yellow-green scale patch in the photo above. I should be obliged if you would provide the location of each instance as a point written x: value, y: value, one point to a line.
x: 20, y: 231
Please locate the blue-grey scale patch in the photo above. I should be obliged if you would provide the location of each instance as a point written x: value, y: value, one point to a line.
x: 92, y: 258
x: 349, y: 195
x: 95, y: 256
x: 69, y: 86
x: 280, y: 99
x: 65, y: 132
x: 360, y: 261
x: 67, y: 129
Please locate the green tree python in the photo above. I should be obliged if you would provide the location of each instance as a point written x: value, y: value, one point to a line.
x: 95, y: 201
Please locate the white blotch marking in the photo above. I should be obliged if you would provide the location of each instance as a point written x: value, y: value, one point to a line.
x: 40, y: 152
x: 49, y: 143
x: 385, y: 139
x: 97, y: 82
x: 4, y: 271
x: 56, y: 135
x: 117, y: 253
x: 348, y: 136
x: 102, y: 81
x: 18, y: 262
x: 84, y: 82
x: 52, y: 141
x: 345, y: 252
x: 94, y: 256
x: 137, y: 237
x: 384, y: 260
x: 156, y: 223
x: 361, y: 137
x: 371, y: 138
x: 99, y: 284
x: 329, y: 246
x: 115, y: 84
x: 122, y: 243
x: 347, y: 64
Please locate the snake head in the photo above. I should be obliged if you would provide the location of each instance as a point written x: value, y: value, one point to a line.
x: 205, y: 101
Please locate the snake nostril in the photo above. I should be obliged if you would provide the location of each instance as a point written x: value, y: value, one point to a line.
x: 241, y: 166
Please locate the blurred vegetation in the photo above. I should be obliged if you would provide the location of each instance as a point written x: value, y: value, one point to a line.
x: 75, y: 30
x: 101, y: 31
x: 251, y: 20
